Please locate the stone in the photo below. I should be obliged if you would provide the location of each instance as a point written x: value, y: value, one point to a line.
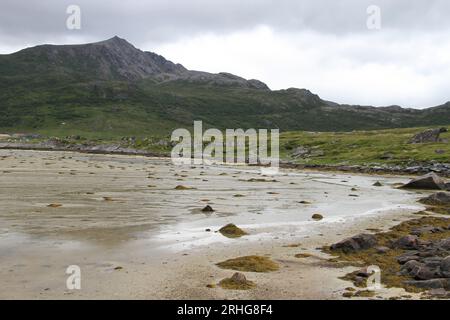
x: 407, y: 242
x: 382, y: 249
x: 445, y: 267
x: 208, y: 209
x: 429, y: 284
x: 406, y: 257
x: 239, y: 277
x: 437, y: 199
x: 377, y: 184
x: 426, y: 229
x: 317, y: 216
x: 430, y: 181
x: 430, y: 135
x: 356, y: 243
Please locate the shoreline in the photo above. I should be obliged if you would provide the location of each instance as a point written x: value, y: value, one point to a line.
x: 120, y: 261
x: 442, y: 169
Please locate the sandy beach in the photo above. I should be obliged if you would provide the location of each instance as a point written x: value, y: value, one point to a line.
x: 134, y: 236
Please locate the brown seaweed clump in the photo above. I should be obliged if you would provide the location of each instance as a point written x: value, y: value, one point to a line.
x: 250, y: 264
x: 232, y: 231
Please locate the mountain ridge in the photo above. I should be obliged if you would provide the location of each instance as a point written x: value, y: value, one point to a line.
x: 110, y: 87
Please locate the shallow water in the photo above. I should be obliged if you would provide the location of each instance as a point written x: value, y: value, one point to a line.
x: 113, y: 199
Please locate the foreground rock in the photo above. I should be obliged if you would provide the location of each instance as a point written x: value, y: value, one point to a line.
x: 232, y: 231
x: 415, y: 255
x: 437, y: 199
x: 356, y: 243
x: 430, y: 181
x: 237, y: 282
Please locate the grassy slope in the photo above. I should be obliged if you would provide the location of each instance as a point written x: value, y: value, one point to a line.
x: 365, y: 147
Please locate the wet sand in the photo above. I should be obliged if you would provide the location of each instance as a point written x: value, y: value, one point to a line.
x: 134, y: 236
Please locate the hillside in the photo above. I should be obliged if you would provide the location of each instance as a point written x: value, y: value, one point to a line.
x: 111, y: 89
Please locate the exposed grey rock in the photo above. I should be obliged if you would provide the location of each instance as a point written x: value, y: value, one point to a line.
x: 429, y: 284
x: 429, y: 181
x: 382, y: 249
x: 430, y: 135
x: 239, y: 278
x: 440, y: 199
x: 356, y: 243
x: 445, y: 267
x: 406, y: 257
x: 407, y: 242
x: 426, y: 229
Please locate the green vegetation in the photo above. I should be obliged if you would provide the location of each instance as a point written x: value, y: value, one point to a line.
x: 364, y: 147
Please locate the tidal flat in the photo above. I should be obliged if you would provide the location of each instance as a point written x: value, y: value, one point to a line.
x: 137, y: 228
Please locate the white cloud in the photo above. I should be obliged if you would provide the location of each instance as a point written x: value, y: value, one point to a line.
x: 373, y: 68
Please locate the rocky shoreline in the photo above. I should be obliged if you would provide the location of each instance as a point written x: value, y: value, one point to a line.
x: 414, y: 255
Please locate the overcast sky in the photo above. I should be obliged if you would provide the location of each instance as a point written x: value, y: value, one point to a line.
x: 322, y: 45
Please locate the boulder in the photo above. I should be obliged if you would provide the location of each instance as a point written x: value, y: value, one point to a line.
x: 430, y: 181
x: 356, y: 243
x: 208, y: 209
x: 430, y: 135
x: 239, y: 277
x: 426, y: 229
x: 443, y: 244
x: 437, y: 199
x: 429, y: 284
x: 445, y: 267
x: 407, y: 242
x: 406, y: 257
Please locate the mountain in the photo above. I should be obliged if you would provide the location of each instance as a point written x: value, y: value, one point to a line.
x: 111, y: 88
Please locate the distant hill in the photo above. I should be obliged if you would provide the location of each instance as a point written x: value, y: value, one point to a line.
x: 110, y: 88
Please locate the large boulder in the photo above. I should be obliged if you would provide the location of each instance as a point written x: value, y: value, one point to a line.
x: 437, y: 199
x: 445, y: 267
x: 430, y: 135
x: 408, y: 242
x: 430, y: 181
x: 355, y: 243
x: 429, y: 284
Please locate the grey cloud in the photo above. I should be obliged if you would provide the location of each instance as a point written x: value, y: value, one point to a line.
x: 160, y: 20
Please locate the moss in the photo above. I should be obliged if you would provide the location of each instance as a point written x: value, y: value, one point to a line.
x: 232, y: 231
x: 250, y: 263
x: 231, y: 284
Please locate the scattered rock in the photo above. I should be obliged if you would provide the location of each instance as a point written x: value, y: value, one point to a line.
x: 356, y: 243
x: 407, y: 242
x: 429, y: 284
x: 430, y: 181
x: 232, y: 231
x: 378, y: 184
x: 437, y: 199
x: 208, y: 209
x: 54, y: 205
x: 382, y: 250
x: 317, y: 217
x: 237, y: 282
x: 430, y: 135
x: 445, y: 267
